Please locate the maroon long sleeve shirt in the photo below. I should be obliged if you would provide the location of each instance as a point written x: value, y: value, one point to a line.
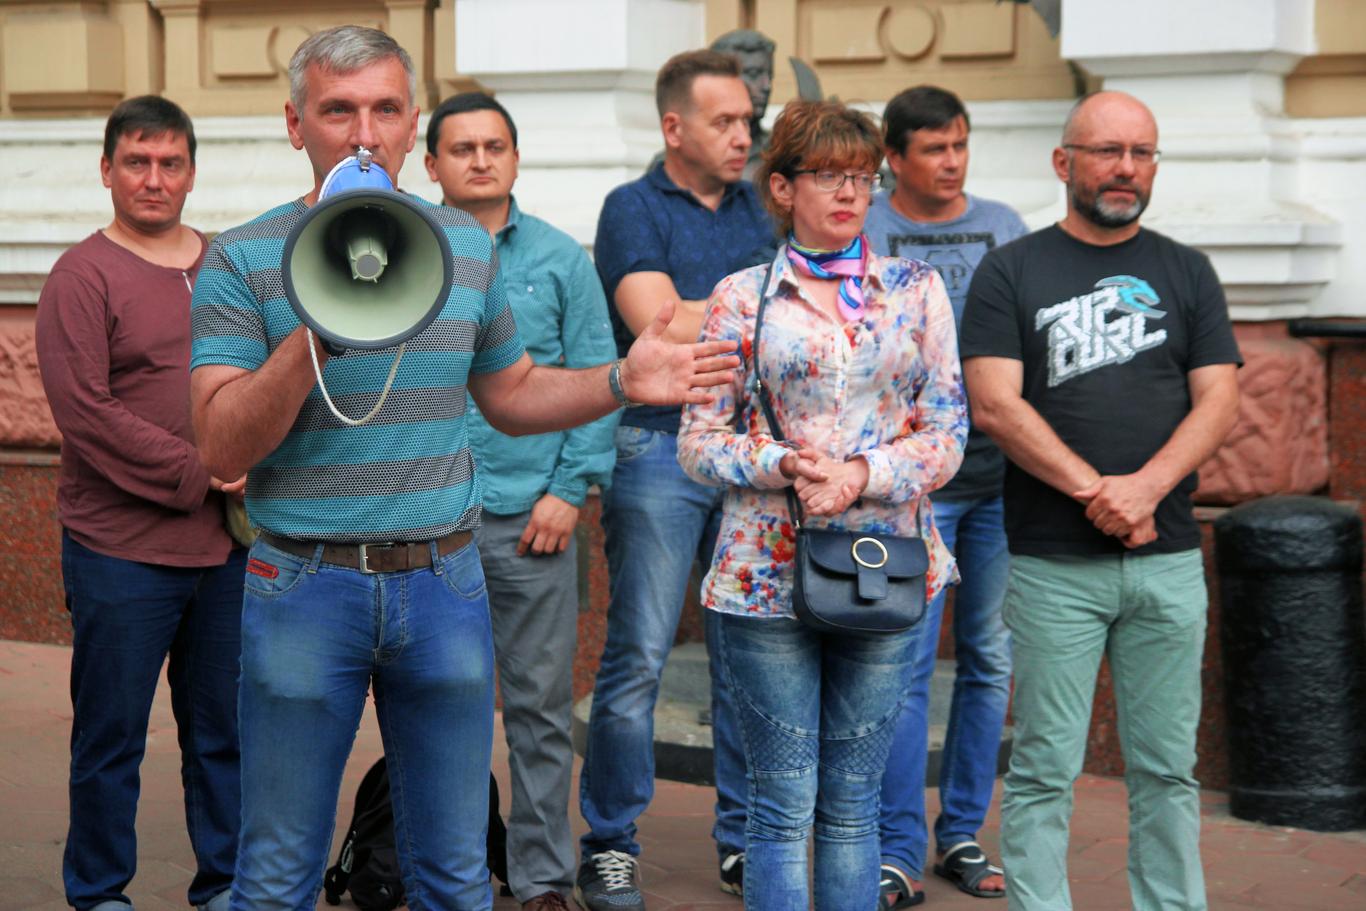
x: 113, y: 340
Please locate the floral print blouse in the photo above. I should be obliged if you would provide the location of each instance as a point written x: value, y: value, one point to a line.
x: 887, y: 387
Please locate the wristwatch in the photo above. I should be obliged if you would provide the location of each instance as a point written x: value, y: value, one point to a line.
x: 614, y: 381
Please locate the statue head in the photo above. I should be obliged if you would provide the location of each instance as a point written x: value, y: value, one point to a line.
x: 755, y: 53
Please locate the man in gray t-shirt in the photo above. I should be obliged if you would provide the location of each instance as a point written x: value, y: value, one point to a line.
x: 929, y: 217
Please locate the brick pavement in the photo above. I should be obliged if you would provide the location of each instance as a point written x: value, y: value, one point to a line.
x: 1247, y: 865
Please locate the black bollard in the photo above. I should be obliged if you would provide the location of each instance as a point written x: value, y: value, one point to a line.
x: 1294, y: 648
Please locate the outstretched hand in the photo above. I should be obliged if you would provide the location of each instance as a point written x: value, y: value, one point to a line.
x: 659, y: 372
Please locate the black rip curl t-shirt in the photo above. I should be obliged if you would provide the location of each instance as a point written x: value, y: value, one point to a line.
x: 1107, y: 336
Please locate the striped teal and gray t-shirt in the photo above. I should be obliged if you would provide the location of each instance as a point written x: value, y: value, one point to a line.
x: 407, y: 475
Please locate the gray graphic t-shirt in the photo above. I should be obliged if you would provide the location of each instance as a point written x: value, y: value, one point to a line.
x: 954, y: 248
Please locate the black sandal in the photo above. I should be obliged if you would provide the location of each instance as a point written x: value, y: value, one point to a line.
x: 966, y: 865
x: 894, y: 892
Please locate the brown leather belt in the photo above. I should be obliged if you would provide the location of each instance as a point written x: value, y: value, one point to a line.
x: 373, y: 558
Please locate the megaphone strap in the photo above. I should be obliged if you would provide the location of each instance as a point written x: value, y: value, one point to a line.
x: 388, y: 384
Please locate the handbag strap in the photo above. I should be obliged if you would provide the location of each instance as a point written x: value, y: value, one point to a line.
x: 765, y: 400
x: 794, y: 505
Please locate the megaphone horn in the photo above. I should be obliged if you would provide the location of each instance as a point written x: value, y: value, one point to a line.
x: 366, y: 267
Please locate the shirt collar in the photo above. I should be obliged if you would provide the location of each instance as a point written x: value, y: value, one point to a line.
x: 660, y: 179
x: 514, y: 218
x: 784, y: 272
x: 874, y: 273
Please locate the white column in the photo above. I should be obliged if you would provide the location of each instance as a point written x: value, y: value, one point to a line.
x: 578, y: 80
x: 1213, y: 73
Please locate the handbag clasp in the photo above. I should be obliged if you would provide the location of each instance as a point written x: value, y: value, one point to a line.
x: 864, y: 563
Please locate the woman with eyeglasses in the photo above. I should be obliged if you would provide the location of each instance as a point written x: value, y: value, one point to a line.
x: 859, y: 355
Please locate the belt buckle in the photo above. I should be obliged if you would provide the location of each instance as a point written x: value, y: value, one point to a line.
x: 364, y: 559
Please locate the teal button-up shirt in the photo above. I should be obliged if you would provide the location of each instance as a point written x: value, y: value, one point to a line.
x: 561, y: 315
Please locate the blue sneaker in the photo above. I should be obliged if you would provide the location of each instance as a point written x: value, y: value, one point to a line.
x: 609, y: 881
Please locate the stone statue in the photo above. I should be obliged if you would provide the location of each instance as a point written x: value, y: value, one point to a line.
x: 755, y: 53
x: 754, y: 50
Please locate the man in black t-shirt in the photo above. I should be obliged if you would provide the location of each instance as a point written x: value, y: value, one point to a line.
x: 1099, y: 356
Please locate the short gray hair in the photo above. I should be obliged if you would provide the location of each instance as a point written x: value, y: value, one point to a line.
x: 345, y: 49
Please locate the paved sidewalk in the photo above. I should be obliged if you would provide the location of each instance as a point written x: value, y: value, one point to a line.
x: 1247, y: 865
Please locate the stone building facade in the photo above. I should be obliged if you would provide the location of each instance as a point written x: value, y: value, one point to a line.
x: 1261, y: 104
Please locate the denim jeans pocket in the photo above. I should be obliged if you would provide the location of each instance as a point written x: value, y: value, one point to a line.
x: 272, y: 573
x: 633, y: 442
x: 463, y: 573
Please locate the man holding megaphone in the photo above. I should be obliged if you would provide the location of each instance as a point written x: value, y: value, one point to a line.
x: 364, y: 574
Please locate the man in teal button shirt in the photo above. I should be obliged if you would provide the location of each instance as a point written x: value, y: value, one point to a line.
x: 533, y: 486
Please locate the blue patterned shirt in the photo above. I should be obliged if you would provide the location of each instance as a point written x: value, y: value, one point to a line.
x: 885, y: 386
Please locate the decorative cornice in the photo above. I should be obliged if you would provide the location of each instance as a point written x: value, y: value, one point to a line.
x: 1276, y: 63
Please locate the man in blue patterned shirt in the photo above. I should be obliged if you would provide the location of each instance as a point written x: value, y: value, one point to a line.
x: 363, y: 575
x: 669, y: 236
x: 533, y: 487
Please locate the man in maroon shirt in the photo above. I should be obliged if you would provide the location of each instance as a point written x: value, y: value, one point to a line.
x: 147, y: 565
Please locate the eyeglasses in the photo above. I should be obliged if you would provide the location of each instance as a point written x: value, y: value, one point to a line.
x: 830, y: 181
x: 1112, y: 154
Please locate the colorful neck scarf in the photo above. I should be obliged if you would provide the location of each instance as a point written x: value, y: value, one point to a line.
x: 851, y: 263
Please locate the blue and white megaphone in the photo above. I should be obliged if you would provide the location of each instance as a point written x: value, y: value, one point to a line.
x: 366, y: 267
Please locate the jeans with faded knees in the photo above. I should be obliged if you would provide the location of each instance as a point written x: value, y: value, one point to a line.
x: 315, y: 639
x: 658, y: 522
x: 817, y: 713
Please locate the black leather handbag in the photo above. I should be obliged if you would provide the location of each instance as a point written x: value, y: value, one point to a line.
x: 847, y: 581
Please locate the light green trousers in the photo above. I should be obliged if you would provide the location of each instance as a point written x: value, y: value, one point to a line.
x: 1147, y: 615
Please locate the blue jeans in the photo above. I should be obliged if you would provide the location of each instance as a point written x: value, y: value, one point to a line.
x: 974, y: 530
x: 817, y: 712
x: 657, y: 523
x: 127, y: 617
x: 315, y: 638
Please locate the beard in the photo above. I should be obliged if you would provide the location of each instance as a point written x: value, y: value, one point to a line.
x: 1094, y: 208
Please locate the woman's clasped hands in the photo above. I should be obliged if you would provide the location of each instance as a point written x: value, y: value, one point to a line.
x: 825, y: 486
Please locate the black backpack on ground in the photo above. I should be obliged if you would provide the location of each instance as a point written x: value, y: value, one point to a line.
x: 368, y: 862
